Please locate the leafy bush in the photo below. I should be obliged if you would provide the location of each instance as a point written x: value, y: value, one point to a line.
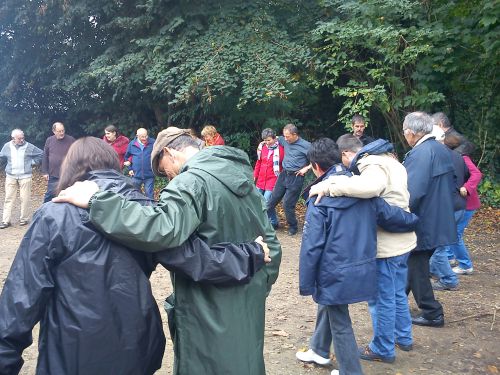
x: 489, y: 191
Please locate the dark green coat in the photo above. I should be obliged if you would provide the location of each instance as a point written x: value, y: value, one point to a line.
x: 218, y: 330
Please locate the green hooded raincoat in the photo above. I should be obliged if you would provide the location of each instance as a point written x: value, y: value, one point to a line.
x: 217, y: 330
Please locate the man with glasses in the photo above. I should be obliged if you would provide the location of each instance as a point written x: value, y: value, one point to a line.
x: 17, y: 158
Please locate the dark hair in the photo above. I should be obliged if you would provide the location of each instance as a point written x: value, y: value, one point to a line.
x: 111, y: 129
x: 357, y: 118
x: 465, y: 148
x: 86, y: 154
x: 183, y: 141
x: 349, y: 142
x: 324, y: 153
x: 453, y: 140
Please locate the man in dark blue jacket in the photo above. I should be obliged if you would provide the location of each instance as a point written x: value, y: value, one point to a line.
x: 139, y: 151
x: 431, y: 187
x: 337, y: 264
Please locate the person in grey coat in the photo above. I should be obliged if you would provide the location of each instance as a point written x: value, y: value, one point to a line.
x: 18, y: 157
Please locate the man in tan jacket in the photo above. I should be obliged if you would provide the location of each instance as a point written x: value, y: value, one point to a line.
x: 379, y: 173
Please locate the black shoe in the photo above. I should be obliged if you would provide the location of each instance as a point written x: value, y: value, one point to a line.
x: 275, y: 226
x: 405, y: 348
x: 421, y: 321
x: 4, y: 225
x: 23, y: 222
x: 438, y: 285
x: 292, y: 231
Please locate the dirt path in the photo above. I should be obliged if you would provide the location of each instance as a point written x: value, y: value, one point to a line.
x: 468, y: 344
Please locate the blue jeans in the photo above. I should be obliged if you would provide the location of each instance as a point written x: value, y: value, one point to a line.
x: 271, y: 212
x: 148, y: 185
x: 439, y: 264
x: 51, y: 189
x: 334, y: 323
x: 459, y: 249
x: 390, y: 312
x: 288, y: 186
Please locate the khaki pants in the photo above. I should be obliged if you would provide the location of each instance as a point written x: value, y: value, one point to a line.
x: 11, y: 185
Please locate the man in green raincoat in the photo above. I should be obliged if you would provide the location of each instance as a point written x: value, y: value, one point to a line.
x: 216, y: 330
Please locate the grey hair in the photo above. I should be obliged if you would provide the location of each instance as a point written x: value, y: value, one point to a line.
x: 182, y: 142
x: 291, y: 128
x: 440, y: 119
x: 16, y: 132
x: 418, y: 123
x: 268, y: 132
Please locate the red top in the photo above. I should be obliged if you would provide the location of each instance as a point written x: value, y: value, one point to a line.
x: 263, y: 172
x: 120, y: 145
x: 473, y: 202
x: 217, y: 140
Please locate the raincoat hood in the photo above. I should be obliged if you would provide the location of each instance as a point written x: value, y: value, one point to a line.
x: 377, y: 147
x: 237, y: 178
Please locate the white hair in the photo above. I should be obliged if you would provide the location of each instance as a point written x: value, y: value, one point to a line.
x: 16, y: 132
x: 418, y: 123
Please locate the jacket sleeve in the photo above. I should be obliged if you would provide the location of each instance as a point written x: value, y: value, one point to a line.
x: 475, y: 175
x: 370, y: 183
x: 256, y: 169
x: 36, y: 155
x: 311, y: 250
x: 222, y: 264
x: 26, y: 292
x: 127, y: 155
x: 147, y: 228
x: 418, y: 178
x: 3, y: 159
x: 45, y: 159
x: 394, y: 219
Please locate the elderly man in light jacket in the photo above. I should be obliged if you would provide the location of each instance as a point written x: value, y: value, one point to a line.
x: 18, y: 157
x: 379, y: 173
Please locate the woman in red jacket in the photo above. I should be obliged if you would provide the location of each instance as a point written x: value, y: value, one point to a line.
x: 117, y: 141
x: 469, y: 191
x: 269, y: 158
x: 211, y: 137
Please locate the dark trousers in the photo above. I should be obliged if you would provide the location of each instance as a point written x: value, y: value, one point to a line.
x: 420, y: 285
x: 51, y: 189
x: 288, y: 187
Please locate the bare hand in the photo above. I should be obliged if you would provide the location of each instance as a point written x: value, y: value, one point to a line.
x: 79, y: 194
x: 126, y: 163
x: 131, y: 173
x: 463, y: 191
x: 316, y: 190
x: 46, y: 177
x: 261, y: 242
x: 303, y: 171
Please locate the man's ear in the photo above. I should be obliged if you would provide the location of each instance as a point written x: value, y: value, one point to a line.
x: 173, y: 152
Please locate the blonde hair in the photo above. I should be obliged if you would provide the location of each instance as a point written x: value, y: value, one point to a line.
x: 209, y: 130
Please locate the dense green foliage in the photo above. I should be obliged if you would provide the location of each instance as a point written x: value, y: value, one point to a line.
x: 247, y: 65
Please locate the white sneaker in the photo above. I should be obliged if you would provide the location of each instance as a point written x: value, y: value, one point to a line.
x: 311, y: 356
x: 462, y: 271
x: 335, y: 372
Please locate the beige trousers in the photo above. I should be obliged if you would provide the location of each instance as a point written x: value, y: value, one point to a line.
x: 11, y: 185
